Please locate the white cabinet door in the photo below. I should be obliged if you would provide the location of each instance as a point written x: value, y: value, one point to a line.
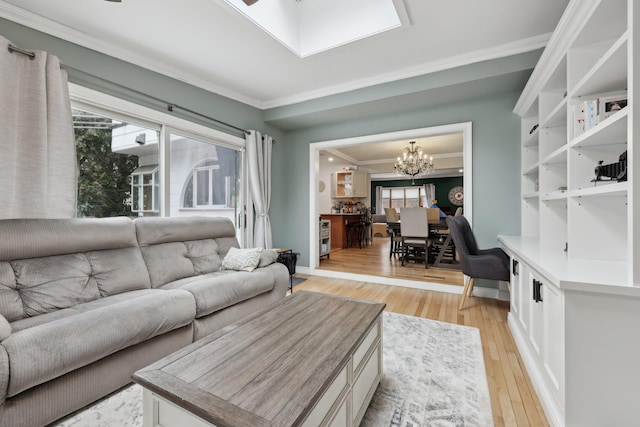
x: 553, y: 347
x: 536, y: 316
x: 359, y: 184
x: 515, y: 287
x: 524, y: 296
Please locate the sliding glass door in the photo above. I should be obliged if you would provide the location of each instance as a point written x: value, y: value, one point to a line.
x: 205, y: 178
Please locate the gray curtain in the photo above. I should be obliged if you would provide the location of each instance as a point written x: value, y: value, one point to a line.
x: 37, y: 144
x: 259, y: 159
x: 430, y: 194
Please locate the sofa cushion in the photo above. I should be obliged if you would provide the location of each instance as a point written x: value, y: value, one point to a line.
x: 215, y: 291
x: 204, y: 255
x: 35, y: 238
x: 175, y: 248
x: 268, y: 257
x: 5, y: 328
x: 51, y: 349
x: 30, y: 322
x: 54, y: 282
x: 118, y: 270
x: 10, y: 302
x: 242, y: 259
x: 153, y: 231
x: 44, y: 264
x: 167, y: 262
x: 4, y: 374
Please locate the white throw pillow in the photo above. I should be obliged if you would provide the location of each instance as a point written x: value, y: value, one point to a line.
x: 268, y: 257
x: 242, y: 259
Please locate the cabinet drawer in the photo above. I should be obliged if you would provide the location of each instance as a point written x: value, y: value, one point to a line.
x: 368, y: 342
x: 341, y: 418
x: 166, y: 414
x: 366, y: 383
x: 328, y: 400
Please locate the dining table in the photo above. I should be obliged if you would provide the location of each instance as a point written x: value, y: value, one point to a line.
x: 437, y: 230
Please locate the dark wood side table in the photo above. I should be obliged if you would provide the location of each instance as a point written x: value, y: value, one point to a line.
x: 289, y: 259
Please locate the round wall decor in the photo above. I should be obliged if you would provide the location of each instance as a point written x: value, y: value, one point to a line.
x: 456, y: 196
x: 321, y: 186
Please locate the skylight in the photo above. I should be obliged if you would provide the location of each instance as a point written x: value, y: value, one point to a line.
x: 308, y: 27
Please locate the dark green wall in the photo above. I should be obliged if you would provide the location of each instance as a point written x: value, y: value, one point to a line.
x: 443, y: 185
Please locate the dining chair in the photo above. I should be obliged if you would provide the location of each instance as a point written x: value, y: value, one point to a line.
x: 395, y: 247
x: 392, y: 214
x: 433, y: 215
x: 476, y: 263
x: 414, y: 231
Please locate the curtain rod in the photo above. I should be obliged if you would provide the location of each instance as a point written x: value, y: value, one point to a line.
x: 170, y: 105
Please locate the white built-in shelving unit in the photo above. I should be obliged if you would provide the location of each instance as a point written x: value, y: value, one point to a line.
x: 575, y: 302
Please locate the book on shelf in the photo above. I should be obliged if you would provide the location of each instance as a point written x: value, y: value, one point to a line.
x: 588, y: 113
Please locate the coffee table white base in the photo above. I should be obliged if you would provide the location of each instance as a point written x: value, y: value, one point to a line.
x: 343, y: 404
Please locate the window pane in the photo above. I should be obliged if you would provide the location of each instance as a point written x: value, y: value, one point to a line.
x: 108, y: 155
x: 202, y: 186
x: 411, y: 192
x: 147, y: 197
x: 397, y: 198
x: 397, y: 193
x: 136, y: 198
x: 217, y: 172
x: 413, y: 200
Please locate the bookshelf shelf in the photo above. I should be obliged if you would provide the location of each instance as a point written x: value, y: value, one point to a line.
x: 580, y: 238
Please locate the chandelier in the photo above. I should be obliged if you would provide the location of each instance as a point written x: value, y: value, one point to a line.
x: 413, y: 163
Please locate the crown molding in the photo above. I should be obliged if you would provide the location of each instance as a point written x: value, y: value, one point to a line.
x: 48, y: 26
x: 64, y: 32
x: 497, y: 52
x: 568, y: 28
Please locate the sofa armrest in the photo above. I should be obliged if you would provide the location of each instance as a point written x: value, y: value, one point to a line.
x: 5, y: 328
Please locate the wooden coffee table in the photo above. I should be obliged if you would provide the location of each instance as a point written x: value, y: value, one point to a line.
x: 309, y: 360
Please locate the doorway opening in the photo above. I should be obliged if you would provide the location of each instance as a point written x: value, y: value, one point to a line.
x: 464, y: 129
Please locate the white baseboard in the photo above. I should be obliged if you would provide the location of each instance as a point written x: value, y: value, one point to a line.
x: 481, y: 292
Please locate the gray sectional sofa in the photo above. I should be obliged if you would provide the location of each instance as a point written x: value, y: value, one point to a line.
x: 84, y: 303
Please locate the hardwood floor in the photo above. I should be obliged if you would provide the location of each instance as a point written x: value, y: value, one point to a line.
x: 513, y: 399
x: 374, y: 260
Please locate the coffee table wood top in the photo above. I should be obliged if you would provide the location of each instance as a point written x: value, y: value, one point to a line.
x: 268, y: 369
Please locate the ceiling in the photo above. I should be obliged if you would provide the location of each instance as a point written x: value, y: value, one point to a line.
x: 379, y: 158
x: 444, y: 51
x: 211, y: 45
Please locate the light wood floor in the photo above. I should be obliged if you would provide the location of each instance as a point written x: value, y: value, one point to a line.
x: 374, y: 260
x: 513, y: 399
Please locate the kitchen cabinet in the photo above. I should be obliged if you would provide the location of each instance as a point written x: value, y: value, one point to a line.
x: 349, y: 184
x: 324, y: 243
x: 338, y: 226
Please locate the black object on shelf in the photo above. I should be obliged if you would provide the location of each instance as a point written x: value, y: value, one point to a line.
x: 613, y: 171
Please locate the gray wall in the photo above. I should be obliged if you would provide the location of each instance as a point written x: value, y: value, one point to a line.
x: 496, y: 154
x: 157, y: 85
x: 496, y: 166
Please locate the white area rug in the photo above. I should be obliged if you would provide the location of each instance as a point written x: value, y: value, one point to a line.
x: 434, y: 375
